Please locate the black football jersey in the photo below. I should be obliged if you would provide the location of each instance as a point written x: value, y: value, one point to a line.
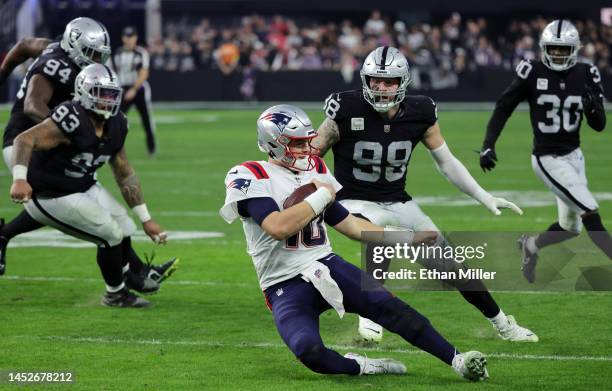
x: 555, y: 104
x: 372, y: 155
x: 55, y: 65
x: 71, y: 168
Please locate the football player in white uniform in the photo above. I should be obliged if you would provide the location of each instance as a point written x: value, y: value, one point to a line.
x: 560, y: 90
x: 300, y: 275
x: 373, y: 132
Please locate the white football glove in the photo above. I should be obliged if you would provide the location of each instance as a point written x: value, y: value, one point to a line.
x: 494, y: 204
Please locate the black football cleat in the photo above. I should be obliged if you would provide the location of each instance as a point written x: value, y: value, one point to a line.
x: 124, y: 299
x: 161, y: 272
x: 140, y: 282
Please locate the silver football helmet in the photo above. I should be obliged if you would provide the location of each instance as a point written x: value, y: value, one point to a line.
x: 560, y: 33
x: 97, y: 89
x: 277, y: 127
x: 86, y: 41
x: 385, y: 61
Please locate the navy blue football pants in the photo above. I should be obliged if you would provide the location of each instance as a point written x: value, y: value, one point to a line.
x: 296, y: 306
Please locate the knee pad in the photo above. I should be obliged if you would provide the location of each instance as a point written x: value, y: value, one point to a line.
x: 128, y: 227
x: 113, y: 234
x: 399, y: 317
x: 571, y: 224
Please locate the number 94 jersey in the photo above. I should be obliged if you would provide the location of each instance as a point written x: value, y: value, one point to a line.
x: 71, y: 168
x: 372, y: 154
x: 55, y: 65
x: 555, y: 103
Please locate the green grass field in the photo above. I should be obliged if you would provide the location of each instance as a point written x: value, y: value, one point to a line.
x: 209, y: 327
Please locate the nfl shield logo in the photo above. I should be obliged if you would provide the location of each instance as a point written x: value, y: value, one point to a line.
x: 387, y: 128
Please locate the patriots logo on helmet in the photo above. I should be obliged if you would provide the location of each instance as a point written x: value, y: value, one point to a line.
x: 240, y: 184
x: 280, y: 119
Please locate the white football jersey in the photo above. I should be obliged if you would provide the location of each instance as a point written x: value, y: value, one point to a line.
x: 276, y: 261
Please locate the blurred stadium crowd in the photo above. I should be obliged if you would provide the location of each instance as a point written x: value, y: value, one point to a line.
x: 255, y: 42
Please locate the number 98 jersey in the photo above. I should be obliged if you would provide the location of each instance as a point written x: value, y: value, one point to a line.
x: 71, y: 168
x: 372, y: 155
x: 55, y: 65
x: 555, y: 103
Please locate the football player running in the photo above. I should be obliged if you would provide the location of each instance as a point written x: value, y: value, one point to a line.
x: 559, y: 91
x: 54, y: 166
x: 48, y: 82
x: 300, y: 275
x: 372, y: 133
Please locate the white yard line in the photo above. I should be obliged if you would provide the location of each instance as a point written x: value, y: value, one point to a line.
x: 268, y: 345
x: 100, y: 281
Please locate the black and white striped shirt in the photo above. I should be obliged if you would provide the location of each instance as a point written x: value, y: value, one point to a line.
x: 127, y: 63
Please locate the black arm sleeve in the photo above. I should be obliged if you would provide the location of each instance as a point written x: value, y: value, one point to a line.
x: 504, y: 107
x: 257, y: 208
x: 335, y: 214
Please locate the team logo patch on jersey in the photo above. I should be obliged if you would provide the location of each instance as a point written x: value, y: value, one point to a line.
x: 357, y: 123
x: 387, y: 128
x: 240, y: 184
x: 542, y: 84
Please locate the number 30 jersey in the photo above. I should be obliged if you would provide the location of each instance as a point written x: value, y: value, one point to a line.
x: 372, y: 155
x: 55, y: 65
x: 71, y: 168
x: 276, y: 260
x: 555, y: 105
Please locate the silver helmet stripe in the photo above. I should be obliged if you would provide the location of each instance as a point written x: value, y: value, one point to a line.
x: 559, y: 25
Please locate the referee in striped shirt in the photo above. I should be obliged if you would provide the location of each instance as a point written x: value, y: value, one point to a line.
x: 131, y: 62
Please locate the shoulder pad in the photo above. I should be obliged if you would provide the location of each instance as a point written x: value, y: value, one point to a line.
x: 251, y: 169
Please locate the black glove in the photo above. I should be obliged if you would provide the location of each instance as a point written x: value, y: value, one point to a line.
x: 590, y: 100
x: 488, y: 157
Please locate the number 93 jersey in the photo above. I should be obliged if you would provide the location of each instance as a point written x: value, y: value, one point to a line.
x: 55, y: 65
x: 555, y: 103
x: 71, y: 168
x: 276, y: 260
x: 372, y: 154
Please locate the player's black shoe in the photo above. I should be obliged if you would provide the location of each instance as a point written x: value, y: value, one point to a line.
x: 530, y: 259
x: 3, y: 246
x: 140, y: 282
x: 161, y: 272
x: 124, y: 298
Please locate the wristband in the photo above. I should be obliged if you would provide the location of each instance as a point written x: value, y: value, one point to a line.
x: 142, y: 212
x: 393, y: 235
x: 20, y: 172
x: 319, y: 200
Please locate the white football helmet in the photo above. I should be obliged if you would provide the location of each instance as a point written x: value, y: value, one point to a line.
x: 86, y: 41
x: 277, y: 127
x: 97, y: 89
x: 560, y: 33
x: 385, y: 61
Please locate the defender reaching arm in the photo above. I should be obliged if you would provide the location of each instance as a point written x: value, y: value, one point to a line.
x: 129, y: 184
x: 458, y: 175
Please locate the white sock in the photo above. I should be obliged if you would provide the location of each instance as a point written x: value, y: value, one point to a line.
x: 499, y: 321
x: 114, y: 289
x: 531, y: 246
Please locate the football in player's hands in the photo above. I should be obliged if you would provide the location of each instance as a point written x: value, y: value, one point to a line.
x: 299, y: 195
